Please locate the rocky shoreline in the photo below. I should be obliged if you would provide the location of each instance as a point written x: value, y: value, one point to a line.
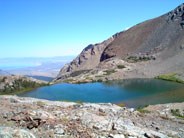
x: 35, y: 118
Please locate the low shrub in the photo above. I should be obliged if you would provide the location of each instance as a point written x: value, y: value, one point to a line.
x: 170, y: 77
x: 109, y: 72
x: 142, y: 109
x: 121, y: 66
x: 121, y: 104
x: 176, y: 112
x: 77, y: 73
x: 134, y: 59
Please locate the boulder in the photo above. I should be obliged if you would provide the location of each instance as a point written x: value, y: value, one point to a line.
x: 7, y: 132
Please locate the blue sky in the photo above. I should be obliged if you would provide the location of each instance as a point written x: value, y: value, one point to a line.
x: 45, y: 28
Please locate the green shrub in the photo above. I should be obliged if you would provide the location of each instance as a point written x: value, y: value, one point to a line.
x: 79, y: 102
x: 170, y: 77
x: 121, y: 66
x: 77, y: 73
x: 176, y: 112
x: 20, y: 85
x: 99, y: 80
x: 134, y: 59
x: 142, y: 109
x: 68, y: 80
x: 109, y: 72
x: 99, y: 76
x: 121, y: 104
x: 40, y: 103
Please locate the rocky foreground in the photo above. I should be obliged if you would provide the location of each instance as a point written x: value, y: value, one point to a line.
x: 34, y: 118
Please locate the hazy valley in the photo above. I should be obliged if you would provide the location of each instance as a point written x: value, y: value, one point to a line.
x: 40, y: 68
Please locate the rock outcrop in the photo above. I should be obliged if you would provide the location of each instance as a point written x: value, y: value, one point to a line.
x: 86, y: 61
x: 146, y: 50
x: 32, y: 118
x: 12, y: 84
x: 177, y: 15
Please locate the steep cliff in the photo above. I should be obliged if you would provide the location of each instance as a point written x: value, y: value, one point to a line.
x: 86, y: 61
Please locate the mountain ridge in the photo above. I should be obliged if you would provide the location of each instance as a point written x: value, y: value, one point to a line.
x: 146, y: 50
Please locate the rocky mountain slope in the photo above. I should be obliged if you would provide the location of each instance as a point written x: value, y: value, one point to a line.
x: 34, y: 118
x: 146, y: 50
x: 87, y: 60
x: 13, y: 84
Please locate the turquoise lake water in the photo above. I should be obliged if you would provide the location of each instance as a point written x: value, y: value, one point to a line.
x: 133, y: 92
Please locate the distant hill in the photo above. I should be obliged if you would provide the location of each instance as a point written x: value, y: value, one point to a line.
x: 146, y: 50
x: 4, y: 73
x: 35, y: 66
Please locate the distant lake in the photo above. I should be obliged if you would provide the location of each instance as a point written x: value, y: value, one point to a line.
x: 133, y: 92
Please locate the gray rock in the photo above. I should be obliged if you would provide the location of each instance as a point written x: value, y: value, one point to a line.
x: 182, y: 46
x: 118, y: 136
x: 153, y: 134
x: 88, y: 120
x: 148, y: 135
x: 7, y: 132
x: 59, y: 131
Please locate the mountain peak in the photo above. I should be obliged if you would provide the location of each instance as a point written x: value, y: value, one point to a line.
x: 177, y: 15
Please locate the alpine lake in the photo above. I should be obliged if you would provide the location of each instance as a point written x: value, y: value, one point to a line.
x: 131, y: 93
